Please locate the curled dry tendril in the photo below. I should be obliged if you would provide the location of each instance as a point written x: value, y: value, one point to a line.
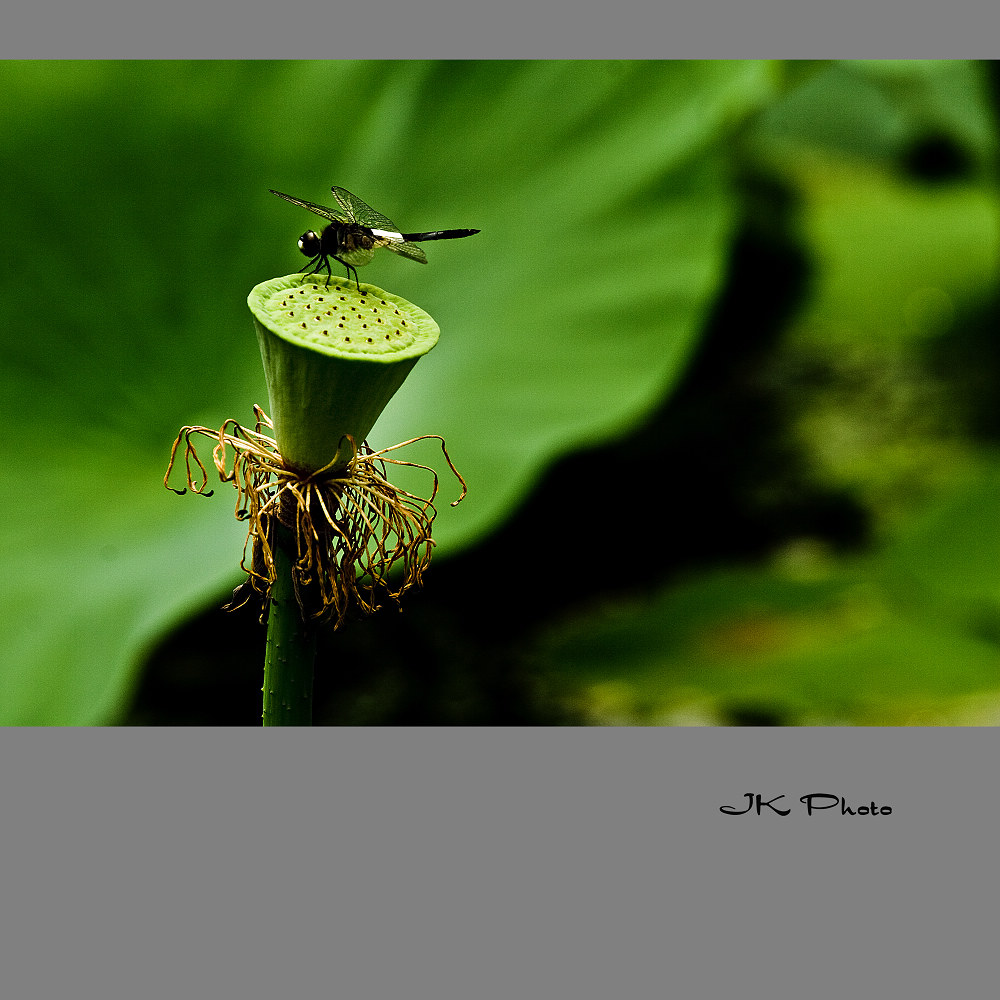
x: 346, y: 526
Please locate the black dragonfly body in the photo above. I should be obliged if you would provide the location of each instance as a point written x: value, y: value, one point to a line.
x: 356, y: 231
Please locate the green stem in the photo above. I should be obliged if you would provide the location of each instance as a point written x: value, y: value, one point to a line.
x: 291, y: 652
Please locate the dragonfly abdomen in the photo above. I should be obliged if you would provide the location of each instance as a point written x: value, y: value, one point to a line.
x: 440, y: 234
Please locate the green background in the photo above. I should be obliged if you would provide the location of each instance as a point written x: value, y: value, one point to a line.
x: 719, y: 371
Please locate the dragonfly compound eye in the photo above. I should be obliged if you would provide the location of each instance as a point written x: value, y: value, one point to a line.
x: 309, y: 243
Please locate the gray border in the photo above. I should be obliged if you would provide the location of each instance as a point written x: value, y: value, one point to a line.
x: 375, y: 29
x: 496, y: 863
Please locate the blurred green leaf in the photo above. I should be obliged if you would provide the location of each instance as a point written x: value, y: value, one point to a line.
x: 909, y: 635
x: 895, y: 260
x: 847, y: 644
x: 137, y: 219
x: 877, y: 111
x: 952, y: 548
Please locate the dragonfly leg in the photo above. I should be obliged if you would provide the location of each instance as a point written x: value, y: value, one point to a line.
x: 349, y: 269
x: 321, y: 261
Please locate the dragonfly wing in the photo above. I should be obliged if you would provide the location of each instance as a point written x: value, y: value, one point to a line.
x: 361, y: 212
x: 358, y: 257
x: 327, y: 213
x: 404, y: 249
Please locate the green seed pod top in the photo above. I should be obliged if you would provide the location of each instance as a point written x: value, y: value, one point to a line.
x: 333, y: 358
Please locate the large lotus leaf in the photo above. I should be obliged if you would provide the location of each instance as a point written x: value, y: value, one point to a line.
x: 137, y: 219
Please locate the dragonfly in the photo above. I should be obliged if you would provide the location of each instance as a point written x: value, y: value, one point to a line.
x: 356, y: 231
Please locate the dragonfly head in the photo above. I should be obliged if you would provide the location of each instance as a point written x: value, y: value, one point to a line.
x: 310, y: 243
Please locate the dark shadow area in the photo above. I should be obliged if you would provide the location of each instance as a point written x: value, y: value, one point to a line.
x: 937, y: 159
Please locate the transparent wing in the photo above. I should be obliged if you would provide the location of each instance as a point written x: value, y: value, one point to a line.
x: 410, y: 250
x: 334, y: 214
x: 361, y: 212
x: 358, y: 257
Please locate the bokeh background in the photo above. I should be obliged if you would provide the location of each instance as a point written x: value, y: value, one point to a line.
x: 721, y: 372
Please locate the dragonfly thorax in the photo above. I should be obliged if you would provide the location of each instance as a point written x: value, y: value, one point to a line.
x: 336, y: 239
